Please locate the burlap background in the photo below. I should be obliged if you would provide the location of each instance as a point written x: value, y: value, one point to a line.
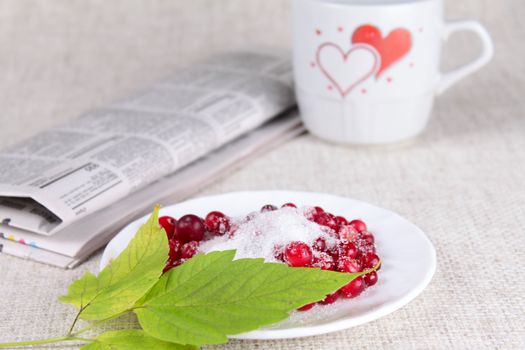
x: 462, y: 181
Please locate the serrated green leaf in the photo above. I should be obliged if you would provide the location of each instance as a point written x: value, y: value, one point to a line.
x: 132, y: 339
x: 126, y: 279
x: 211, y: 296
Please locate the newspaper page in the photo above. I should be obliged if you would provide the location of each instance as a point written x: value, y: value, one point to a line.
x: 66, y: 173
x: 70, y: 246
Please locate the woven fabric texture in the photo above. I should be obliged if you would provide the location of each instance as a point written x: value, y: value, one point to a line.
x: 462, y: 181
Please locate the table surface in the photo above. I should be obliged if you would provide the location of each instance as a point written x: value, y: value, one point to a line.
x: 462, y: 180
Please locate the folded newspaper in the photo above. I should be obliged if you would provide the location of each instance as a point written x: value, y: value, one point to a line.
x: 65, y: 192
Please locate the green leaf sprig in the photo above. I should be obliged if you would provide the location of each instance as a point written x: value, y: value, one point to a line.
x: 199, y: 302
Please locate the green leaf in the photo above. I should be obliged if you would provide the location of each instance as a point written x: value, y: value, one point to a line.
x: 211, y: 296
x: 131, y: 340
x: 126, y: 279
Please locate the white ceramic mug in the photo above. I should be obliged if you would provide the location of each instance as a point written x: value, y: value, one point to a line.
x: 367, y: 71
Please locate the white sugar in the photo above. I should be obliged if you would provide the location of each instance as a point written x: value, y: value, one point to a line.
x: 258, y: 236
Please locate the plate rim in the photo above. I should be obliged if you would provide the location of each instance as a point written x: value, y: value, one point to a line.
x: 334, y: 326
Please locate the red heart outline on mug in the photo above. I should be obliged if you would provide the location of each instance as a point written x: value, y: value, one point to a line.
x: 346, y: 70
x: 391, y: 48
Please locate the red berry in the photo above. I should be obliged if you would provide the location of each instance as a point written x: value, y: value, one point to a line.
x: 334, y: 252
x: 328, y: 220
x: 168, y: 224
x: 341, y: 220
x: 175, y: 249
x: 348, y: 250
x: 349, y: 265
x: 298, y: 254
x: 330, y: 299
x: 354, y: 288
x: 289, y: 205
x: 368, y: 238
x: 320, y: 244
x: 370, y: 260
x: 313, y: 213
x: 348, y: 233
x: 366, y: 248
x: 190, y: 228
x: 217, y: 223
x: 323, y: 261
x: 370, y: 278
x: 268, y: 207
x: 306, y: 307
x: 359, y: 225
x: 189, y: 249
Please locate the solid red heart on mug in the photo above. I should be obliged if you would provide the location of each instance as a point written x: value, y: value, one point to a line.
x: 391, y: 48
x: 367, y: 72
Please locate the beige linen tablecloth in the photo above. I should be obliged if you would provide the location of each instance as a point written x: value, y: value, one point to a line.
x: 462, y: 181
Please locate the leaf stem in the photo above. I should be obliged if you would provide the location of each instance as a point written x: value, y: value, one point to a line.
x: 43, y: 341
x: 75, y: 321
x: 94, y: 324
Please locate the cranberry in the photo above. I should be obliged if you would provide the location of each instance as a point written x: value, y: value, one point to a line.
x: 370, y: 278
x: 349, y: 250
x: 268, y: 207
x: 320, y: 244
x: 306, y: 307
x: 190, y: 228
x: 189, y: 249
x: 328, y: 220
x: 324, y: 261
x: 349, y: 265
x: 289, y: 205
x: 354, y: 288
x: 168, y: 224
x: 341, y: 221
x: 298, y: 254
x: 334, y: 252
x: 217, y: 223
x: 370, y: 260
x: 348, y: 233
x: 359, y: 225
x: 318, y: 210
x: 330, y: 299
x: 368, y: 238
x: 175, y: 249
x: 313, y: 213
x: 366, y: 248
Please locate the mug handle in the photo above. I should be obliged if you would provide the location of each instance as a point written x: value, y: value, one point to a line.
x: 452, y: 77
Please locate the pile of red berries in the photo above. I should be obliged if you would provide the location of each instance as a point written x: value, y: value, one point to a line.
x: 354, y: 251
x: 350, y: 249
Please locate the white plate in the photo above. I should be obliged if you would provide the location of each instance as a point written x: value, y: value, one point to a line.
x: 408, y: 258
